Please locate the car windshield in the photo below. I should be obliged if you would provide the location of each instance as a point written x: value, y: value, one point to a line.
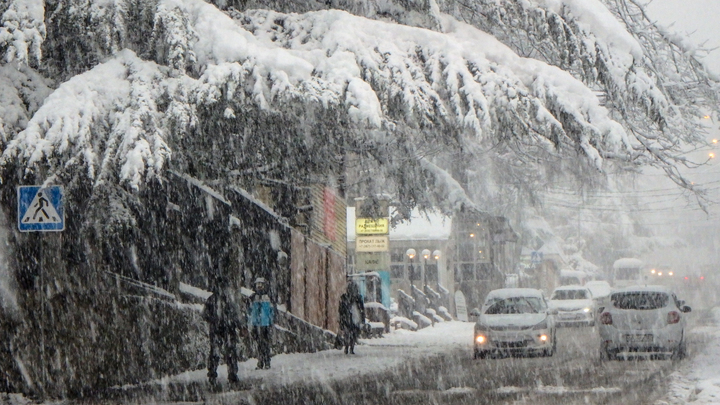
x: 627, y: 273
x: 570, y: 295
x: 516, y: 305
x: 640, y: 300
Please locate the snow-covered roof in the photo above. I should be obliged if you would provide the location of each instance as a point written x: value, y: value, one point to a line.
x: 514, y: 292
x: 627, y: 262
x: 430, y: 226
x: 571, y: 288
x: 599, y: 288
x: 552, y: 247
x: 644, y: 288
x: 195, y: 291
x: 365, y: 274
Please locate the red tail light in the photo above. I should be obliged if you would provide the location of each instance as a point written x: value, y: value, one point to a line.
x: 606, y: 318
x: 673, y: 317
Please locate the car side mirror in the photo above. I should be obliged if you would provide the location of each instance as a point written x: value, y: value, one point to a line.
x: 686, y: 309
x: 475, y: 312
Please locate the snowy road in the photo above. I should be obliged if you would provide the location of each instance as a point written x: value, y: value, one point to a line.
x: 574, y: 375
x: 430, y: 366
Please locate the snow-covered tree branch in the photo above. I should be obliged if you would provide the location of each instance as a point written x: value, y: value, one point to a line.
x: 526, y: 84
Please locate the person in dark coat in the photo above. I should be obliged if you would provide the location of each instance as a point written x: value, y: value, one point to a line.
x: 262, y: 321
x: 223, y: 314
x: 352, y: 316
x: 10, y: 375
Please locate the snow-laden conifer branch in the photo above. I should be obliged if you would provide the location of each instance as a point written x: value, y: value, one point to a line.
x: 22, y: 91
x: 104, y: 121
x: 22, y: 31
x: 107, y: 119
x: 580, y: 36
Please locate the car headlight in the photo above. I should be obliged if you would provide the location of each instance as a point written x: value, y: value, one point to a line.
x: 541, y: 325
x: 586, y: 310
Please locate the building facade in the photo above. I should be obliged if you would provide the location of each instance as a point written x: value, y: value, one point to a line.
x: 468, y: 253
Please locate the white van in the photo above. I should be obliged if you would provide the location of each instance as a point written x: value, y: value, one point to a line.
x: 628, y: 272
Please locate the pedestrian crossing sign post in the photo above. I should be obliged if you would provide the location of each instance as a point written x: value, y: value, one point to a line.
x: 41, y: 209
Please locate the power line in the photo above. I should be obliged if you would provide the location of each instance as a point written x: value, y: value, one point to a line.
x: 615, y: 209
x: 595, y: 204
x: 684, y: 221
x: 649, y: 193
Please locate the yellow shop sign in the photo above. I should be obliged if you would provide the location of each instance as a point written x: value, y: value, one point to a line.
x: 372, y: 226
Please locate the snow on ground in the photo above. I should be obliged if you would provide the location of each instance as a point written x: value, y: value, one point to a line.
x: 698, y: 381
x: 371, y: 356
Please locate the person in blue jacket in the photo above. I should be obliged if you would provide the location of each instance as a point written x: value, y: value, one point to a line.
x: 262, y: 319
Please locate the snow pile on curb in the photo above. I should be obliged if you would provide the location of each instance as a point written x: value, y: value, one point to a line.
x: 373, y: 356
x: 698, y: 381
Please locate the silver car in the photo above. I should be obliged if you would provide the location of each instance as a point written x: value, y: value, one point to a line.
x: 643, y: 321
x: 514, y: 321
x: 574, y: 304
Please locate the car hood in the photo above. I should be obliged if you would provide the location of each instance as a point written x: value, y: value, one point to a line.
x: 519, y: 320
x: 569, y: 305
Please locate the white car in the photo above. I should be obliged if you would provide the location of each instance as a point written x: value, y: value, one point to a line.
x: 514, y: 321
x: 601, y: 291
x: 643, y: 321
x: 574, y: 305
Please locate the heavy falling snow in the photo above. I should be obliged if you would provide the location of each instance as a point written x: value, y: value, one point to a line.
x: 359, y: 202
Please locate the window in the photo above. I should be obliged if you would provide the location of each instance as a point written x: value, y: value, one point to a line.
x: 413, y: 272
x: 431, y: 273
x: 570, y: 295
x: 466, y: 252
x: 397, y: 255
x: 640, y: 300
x: 468, y: 271
x: 397, y: 271
x: 484, y: 271
x: 516, y: 305
x: 629, y: 273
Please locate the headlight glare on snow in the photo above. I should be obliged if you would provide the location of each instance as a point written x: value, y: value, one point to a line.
x: 480, y: 339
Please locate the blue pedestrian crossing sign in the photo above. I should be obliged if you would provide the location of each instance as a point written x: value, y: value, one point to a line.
x: 41, y: 209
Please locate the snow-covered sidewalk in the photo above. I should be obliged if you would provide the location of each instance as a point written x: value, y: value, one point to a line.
x: 698, y: 381
x: 372, y: 356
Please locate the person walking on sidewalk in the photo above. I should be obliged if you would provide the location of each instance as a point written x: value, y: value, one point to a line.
x: 352, y: 316
x: 262, y: 320
x: 223, y: 315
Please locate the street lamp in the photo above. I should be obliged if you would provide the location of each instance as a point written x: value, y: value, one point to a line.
x: 436, y: 256
x: 410, y: 253
x: 426, y: 256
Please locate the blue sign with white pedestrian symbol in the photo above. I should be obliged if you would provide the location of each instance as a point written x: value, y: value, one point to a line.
x: 536, y: 257
x: 41, y: 209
